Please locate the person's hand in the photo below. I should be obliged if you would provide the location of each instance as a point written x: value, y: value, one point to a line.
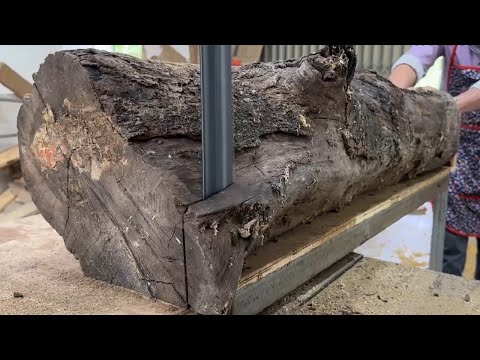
x: 468, y: 100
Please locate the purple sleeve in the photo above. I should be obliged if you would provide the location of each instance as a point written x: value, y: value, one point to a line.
x: 421, y: 58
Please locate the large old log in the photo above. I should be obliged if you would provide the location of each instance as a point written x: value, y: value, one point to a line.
x: 110, y: 147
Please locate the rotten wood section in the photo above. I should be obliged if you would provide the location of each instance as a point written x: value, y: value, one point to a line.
x: 110, y: 148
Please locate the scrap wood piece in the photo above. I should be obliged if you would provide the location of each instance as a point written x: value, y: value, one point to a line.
x: 6, y: 198
x: 194, y: 54
x: 25, y: 210
x: 20, y: 191
x: 14, y: 81
x: 9, y: 156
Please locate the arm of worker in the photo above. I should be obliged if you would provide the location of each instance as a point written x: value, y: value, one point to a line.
x: 414, y: 64
x: 470, y: 99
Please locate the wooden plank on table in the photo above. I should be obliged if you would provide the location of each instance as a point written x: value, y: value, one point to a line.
x: 300, y: 254
x: 13, y: 81
x: 6, y: 198
x: 9, y: 156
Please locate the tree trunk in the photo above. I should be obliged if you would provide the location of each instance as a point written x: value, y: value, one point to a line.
x: 110, y: 148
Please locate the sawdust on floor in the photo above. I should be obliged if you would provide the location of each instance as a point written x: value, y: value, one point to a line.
x: 39, y: 276
x: 411, y: 259
x: 377, y: 287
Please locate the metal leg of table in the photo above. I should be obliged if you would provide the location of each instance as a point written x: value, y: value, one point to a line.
x: 438, y: 231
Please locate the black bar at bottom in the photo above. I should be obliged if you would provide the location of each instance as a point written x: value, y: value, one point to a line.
x: 217, y: 125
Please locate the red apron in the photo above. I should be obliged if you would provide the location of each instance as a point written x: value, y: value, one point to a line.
x: 463, y: 211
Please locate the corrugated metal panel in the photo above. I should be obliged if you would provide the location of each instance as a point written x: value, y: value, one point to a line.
x: 379, y: 58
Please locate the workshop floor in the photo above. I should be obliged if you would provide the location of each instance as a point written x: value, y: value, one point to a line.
x: 377, y: 287
x: 39, y: 276
x: 407, y: 242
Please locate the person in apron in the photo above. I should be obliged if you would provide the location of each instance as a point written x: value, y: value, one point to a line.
x: 461, y: 80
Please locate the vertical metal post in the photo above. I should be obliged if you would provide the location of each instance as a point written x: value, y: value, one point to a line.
x: 217, y: 124
x: 438, y: 230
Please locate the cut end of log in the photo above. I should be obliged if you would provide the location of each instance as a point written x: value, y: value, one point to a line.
x: 111, y: 152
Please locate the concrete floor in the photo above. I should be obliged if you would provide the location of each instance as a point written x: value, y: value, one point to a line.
x: 47, y: 279
x: 408, y: 241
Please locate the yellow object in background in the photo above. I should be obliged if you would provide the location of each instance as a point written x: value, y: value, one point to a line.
x: 470, y: 263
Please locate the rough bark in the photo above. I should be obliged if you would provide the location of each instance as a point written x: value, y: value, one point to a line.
x: 110, y: 147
